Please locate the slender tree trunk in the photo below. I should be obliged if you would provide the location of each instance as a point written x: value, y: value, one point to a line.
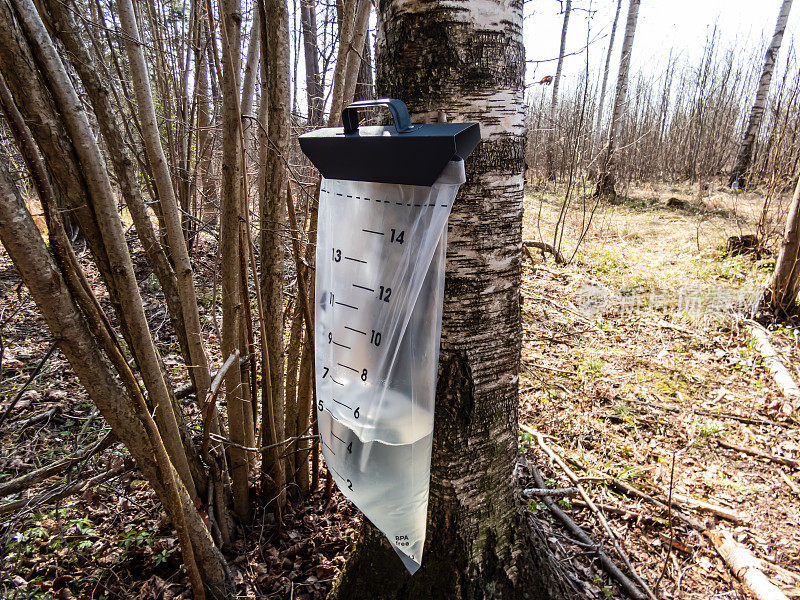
x: 109, y: 227
x: 168, y: 203
x: 601, y: 105
x: 785, y: 286
x: 64, y: 25
x: 205, y: 134
x: 338, y: 84
x: 606, y: 180
x: 552, y: 137
x: 273, y: 219
x: 468, y: 62
x: 46, y: 284
x: 314, y: 92
x: 359, y: 35
x: 232, y: 294
x: 365, y: 84
x: 745, y: 154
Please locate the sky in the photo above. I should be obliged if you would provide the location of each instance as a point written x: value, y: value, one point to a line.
x: 680, y: 25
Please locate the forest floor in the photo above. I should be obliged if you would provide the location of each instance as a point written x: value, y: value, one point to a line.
x: 634, y: 355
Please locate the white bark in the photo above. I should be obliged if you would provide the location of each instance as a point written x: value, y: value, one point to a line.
x: 745, y: 154
x: 607, y: 175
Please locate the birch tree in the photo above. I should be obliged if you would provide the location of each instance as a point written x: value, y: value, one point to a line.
x: 479, y: 542
x: 556, y: 80
x: 606, y: 180
x: 601, y: 103
x: 745, y: 154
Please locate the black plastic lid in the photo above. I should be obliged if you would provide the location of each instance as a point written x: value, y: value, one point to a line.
x: 402, y: 153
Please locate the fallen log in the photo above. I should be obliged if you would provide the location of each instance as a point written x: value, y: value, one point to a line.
x: 780, y: 374
x: 745, y: 566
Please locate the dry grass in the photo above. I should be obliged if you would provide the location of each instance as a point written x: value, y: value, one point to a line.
x: 599, y: 379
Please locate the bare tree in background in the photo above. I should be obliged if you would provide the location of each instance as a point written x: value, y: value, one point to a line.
x: 745, y: 155
x: 556, y: 80
x: 606, y: 180
x: 601, y: 103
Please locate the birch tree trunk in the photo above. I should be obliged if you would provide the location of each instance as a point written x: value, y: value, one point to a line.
x: 552, y: 137
x: 601, y: 105
x: 452, y: 56
x: 606, y: 180
x: 745, y: 154
x: 785, y: 286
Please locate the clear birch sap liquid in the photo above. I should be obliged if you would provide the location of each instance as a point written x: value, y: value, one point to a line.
x: 385, y: 467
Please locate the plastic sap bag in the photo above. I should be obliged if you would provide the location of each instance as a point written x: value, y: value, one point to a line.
x: 379, y: 288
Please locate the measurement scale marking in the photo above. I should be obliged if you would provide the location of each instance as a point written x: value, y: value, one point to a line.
x: 336, y: 382
x: 334, y: 470
x: 370, y: 231
x: 346, y: 367
x: 328, y: 447
x: 358, y: 260
x: 361, y: 287
x: 342, y: 404
x: 337, y: 437
x: 342, y: 346
x: 356, y: 330
x: 338, y: 194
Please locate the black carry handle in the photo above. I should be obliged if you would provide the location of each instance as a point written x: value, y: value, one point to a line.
x: 398, y: 108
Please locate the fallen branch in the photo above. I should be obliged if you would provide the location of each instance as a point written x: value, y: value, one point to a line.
x: 709, y: 413
x: 780, y: 373
x: 544, y: 247
x: 210, y: 409
x: 25, y: 481
x: 781, y: 460
x: 630, y: 491
x: 45, y: 416
x: 613, y: 570
x: 188, y: 389
x: 720, y: 511
x: 61, y: 492
x: 745, y: 566
x: 21, y: 390
x: 612, y: 536
x: 551, y: 493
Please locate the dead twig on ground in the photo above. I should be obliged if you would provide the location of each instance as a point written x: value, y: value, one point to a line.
x: 613, y: 570
x: 780, y: 374
x: 24, y: 387
x: 781, y: 460
x: 61, y: 492
x: 551, y: 492
x: 544, y: 247
x: 25, y: 481
x: 44, y: 416
x: 709, y: 413
x: 603, y: 522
